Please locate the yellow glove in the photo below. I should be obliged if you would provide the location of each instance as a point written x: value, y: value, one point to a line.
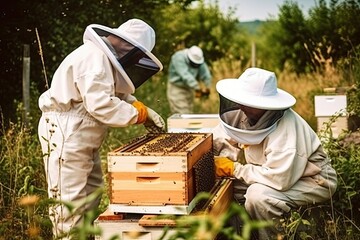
x: 152, y: 121
x: 142, y: 111
x: 205, y: 93
x: 224, y: 167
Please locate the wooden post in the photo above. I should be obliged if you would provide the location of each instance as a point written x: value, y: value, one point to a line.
x: 26, y: 82
x: 253, y: 54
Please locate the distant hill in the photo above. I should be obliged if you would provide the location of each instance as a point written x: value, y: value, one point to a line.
x: 251, y: 26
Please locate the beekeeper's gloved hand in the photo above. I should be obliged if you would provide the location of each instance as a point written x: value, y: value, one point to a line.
x: 224, y: 167
x: 198, y: 93
x: 205, y: 92
x: 152, y: 121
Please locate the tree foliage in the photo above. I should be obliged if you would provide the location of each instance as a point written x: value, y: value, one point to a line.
x: 294, y: 36
x: 205, y: 26
x: 329, y: 33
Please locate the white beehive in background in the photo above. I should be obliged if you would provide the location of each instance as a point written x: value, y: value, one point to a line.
x: 327, y: 107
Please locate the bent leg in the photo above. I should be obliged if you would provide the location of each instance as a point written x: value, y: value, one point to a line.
x: 265, y: 203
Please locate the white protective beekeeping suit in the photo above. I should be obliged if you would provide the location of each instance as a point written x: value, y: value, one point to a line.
x: 90, y: 91
x: 278, y: 162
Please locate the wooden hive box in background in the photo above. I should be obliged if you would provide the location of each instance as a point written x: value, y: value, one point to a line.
x: 157, y: 169
x: 197, y: 123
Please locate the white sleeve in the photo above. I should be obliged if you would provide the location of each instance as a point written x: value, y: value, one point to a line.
x: 96, y: 87
x: 283, y: 158
x: 281, y: 171
x: 126, y: 97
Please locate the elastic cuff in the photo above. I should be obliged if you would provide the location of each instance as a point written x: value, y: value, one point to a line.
x: 237, y: 169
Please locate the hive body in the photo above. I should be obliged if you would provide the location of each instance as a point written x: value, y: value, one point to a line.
x: 161, y: 169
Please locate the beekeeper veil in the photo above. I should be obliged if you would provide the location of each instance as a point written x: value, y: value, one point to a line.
x: 255, y: 88
x: 134, y: 61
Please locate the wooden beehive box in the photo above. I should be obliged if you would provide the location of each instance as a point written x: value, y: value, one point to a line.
x: 157, y: 169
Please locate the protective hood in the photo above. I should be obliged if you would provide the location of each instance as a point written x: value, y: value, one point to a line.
x: 137, y: 64
x: 236, y: 126
x: 256, y: 88
x: 239, y: 126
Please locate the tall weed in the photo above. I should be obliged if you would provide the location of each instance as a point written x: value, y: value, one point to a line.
x: 21, y: 176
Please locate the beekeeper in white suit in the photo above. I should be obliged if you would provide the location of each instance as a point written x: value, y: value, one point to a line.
x: 275, y: 156
x: 90, y: 91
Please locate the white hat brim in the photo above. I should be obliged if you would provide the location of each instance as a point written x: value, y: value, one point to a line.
x: 232, y: 90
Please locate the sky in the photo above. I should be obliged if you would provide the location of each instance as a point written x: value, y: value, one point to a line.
x: 250, y: 10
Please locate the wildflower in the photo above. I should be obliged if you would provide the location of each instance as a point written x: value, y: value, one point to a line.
x: 29, y: 200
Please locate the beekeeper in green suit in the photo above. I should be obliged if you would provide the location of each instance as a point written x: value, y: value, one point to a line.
x: 189, y: 77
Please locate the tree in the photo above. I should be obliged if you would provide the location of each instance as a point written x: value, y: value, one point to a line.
x: 203, y: 25
x: 334, y: 32
x: 329, y: 34
x: 292, y: 36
